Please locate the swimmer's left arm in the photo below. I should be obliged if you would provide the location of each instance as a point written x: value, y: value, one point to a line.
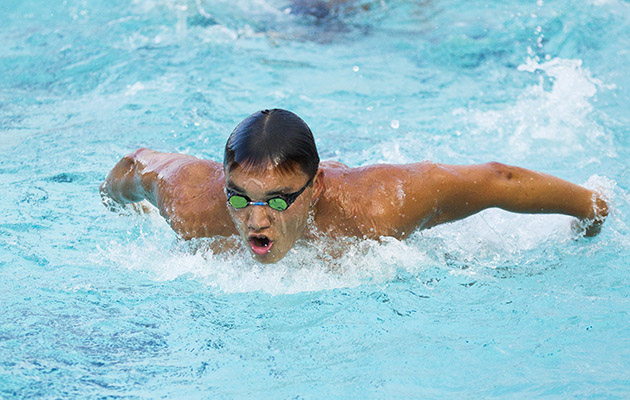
x: 461, y: 191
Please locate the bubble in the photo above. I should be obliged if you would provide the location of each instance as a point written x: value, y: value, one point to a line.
x: 395, y: 124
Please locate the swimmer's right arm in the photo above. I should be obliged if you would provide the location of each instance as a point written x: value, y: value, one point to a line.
x: 150, y: 175
x: 126, y: 183
x: 187, y: 191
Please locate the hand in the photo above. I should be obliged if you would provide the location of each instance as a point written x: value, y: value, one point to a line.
x: 141, y: 207
x: 590, y: 227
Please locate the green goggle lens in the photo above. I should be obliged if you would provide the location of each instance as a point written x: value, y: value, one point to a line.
x: 278, y: 204
x: 238, y: 201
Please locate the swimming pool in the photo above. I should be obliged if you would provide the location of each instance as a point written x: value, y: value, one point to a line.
x: 100, y: 305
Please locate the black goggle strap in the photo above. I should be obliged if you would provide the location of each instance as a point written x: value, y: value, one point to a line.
x: 291, y: 197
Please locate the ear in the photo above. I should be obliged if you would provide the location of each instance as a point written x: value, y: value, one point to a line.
x: 318, y: 185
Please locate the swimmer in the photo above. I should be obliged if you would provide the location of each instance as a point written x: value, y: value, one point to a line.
x: 322, y: 9
x: 272, y: 190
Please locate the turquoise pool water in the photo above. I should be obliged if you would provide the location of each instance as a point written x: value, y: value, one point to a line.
x: 99, y: 305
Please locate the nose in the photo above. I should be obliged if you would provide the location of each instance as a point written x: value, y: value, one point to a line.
x: 258, y: 218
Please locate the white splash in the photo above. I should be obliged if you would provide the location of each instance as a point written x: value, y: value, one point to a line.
x: 302, y: 270
x: 557, y: 110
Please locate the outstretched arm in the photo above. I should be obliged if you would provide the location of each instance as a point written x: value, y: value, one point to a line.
x: 461, y: 191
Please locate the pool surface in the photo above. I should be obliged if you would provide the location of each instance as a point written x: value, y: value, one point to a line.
x: 96, y: 304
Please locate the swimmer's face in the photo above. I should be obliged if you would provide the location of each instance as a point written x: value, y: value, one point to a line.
x: 267, y: 233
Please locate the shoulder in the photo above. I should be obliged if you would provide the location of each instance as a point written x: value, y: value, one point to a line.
x: 190, y: 194
x: 372, y: 200
x: 191, y: 181
x: 196, y: 173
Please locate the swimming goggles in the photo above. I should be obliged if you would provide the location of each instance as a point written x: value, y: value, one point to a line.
x: 278, y: 203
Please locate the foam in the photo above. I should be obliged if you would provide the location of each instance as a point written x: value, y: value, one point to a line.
x: 302, y: 270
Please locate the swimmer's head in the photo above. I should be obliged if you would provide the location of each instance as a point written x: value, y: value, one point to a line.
x: 271, y: 174
x: 276, y: 138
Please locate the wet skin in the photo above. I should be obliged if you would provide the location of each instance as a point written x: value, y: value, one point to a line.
x: 371, y: 202
x: 269, y: 233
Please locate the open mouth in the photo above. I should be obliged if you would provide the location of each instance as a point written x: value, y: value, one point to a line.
x: 260, y: 244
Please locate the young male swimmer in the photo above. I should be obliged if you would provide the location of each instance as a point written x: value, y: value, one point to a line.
x: 272, y: 190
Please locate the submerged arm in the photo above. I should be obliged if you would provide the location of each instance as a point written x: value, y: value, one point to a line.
x: 461, y: 191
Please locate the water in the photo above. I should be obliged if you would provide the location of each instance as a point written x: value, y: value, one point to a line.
x: 100, y: 305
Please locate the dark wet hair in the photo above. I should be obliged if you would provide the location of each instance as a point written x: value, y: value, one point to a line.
x: 277, y: 137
